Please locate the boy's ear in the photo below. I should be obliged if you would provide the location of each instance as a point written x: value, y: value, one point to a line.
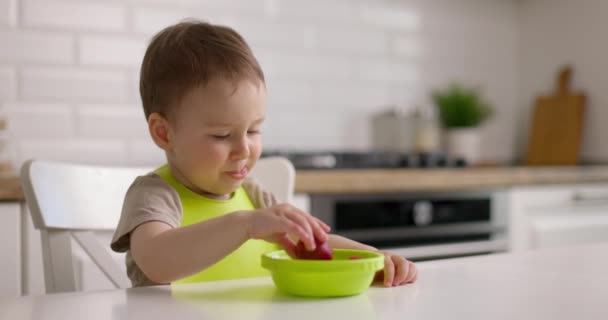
x: 159, y: 130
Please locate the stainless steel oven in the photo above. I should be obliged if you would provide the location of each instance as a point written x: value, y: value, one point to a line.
x: 419, y: 226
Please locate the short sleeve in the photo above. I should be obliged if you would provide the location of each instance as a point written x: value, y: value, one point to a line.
x: 149, y: 198
x: 260, y: 197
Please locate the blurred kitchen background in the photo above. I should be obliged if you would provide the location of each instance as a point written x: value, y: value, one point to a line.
x: 345, y: 79
x: 69, y: 69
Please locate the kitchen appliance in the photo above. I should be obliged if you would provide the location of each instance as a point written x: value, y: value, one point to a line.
x: 392, y: 130
x: 367, y: 160
x: 395, y: 131
x: 418, y: 226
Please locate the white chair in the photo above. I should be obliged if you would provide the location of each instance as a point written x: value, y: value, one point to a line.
x: 73, y: 201
x: 277, y: 175
x: 68, y: 200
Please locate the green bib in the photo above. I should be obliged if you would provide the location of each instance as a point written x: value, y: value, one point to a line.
x: 244, y: 262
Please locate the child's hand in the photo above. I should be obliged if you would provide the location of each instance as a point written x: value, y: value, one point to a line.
x: 282, y: 223
x: 397, y: 271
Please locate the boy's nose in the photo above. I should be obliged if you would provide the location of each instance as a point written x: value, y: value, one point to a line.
x: 240, y: 150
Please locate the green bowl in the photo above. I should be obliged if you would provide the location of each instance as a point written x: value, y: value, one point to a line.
x: 324, y: 278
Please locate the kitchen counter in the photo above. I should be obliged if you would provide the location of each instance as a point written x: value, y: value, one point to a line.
x: 415, y: 180
x: 10, y: 188
x: 409, y: 180
x: 556, y: 284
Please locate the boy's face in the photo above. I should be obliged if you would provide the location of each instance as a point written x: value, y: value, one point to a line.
x: 215, y: 138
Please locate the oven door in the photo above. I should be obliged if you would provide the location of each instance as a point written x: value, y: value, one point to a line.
x: 429, y: 243
x: 417, y: 226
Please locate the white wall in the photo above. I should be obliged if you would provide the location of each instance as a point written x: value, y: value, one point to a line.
x: 556, y: 32
x: 69, y: 69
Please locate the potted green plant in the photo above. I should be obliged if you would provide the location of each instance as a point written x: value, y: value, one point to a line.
x: 462, y: 110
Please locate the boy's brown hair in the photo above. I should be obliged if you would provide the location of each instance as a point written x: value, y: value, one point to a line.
x: 189, y: 54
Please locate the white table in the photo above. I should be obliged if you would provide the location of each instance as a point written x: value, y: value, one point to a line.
x: 565, y: 283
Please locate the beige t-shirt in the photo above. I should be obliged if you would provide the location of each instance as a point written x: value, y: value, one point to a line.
x: 150, y: 198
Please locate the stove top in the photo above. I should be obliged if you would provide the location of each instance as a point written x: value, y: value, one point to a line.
x: 367, y: 160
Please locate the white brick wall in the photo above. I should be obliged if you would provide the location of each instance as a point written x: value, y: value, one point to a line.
x: 118, y: 122
x: 390, y: 16
x: 73, y: 84
x: 551, y: 43
x: 41, y: 121
x: 111, y: 51
x: 150, y: 20
x: 69, y: 69
x: 262, y: 35
x: 8, y: 13
x: 354, y: 41
x: 333, y: 12
x: 8, y: 84
x: 145, y: 153
x: 93, y: 151
x: 36, y: 47
x: 77, y: 16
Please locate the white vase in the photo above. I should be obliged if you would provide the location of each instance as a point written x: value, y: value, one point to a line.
x: 464, y: 143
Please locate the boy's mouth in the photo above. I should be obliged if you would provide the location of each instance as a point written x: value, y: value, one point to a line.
x: 238, y: 174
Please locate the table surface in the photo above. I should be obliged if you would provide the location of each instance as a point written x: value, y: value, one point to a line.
x: 564, y: 283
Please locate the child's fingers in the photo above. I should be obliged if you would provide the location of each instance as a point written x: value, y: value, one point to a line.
x: 289, y: 226
x: 413, y: 274
x: 286, y: 243
x: 405, y: 271
x: 323, y: 225
x: 317, y: 228
x: 303, y: 224
x: 314, y: 225
x: 389, y: 271
x: 402, y: 270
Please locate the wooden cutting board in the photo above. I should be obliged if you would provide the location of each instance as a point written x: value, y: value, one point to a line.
x: 557, y: 125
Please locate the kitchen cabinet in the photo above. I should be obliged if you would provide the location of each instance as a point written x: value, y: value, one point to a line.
x: 552, y: 216
x: 10, y: 249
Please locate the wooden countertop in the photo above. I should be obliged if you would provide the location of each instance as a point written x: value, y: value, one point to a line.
x: 404, y: 180
x: 409, y: 180
x: 10, y: 188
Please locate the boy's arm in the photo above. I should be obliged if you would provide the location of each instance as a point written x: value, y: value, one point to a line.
x: 339, y: 242
x: 166, y: 254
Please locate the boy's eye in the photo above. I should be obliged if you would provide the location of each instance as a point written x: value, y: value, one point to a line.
x: 220, y: 136
x: 253, y: 132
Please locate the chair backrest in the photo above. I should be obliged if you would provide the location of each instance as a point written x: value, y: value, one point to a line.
x: 72, y: 201
x: 69, y: 200
x: 277, y: 175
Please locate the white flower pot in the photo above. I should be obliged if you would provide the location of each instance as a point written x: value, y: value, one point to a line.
x: 464, y: 143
